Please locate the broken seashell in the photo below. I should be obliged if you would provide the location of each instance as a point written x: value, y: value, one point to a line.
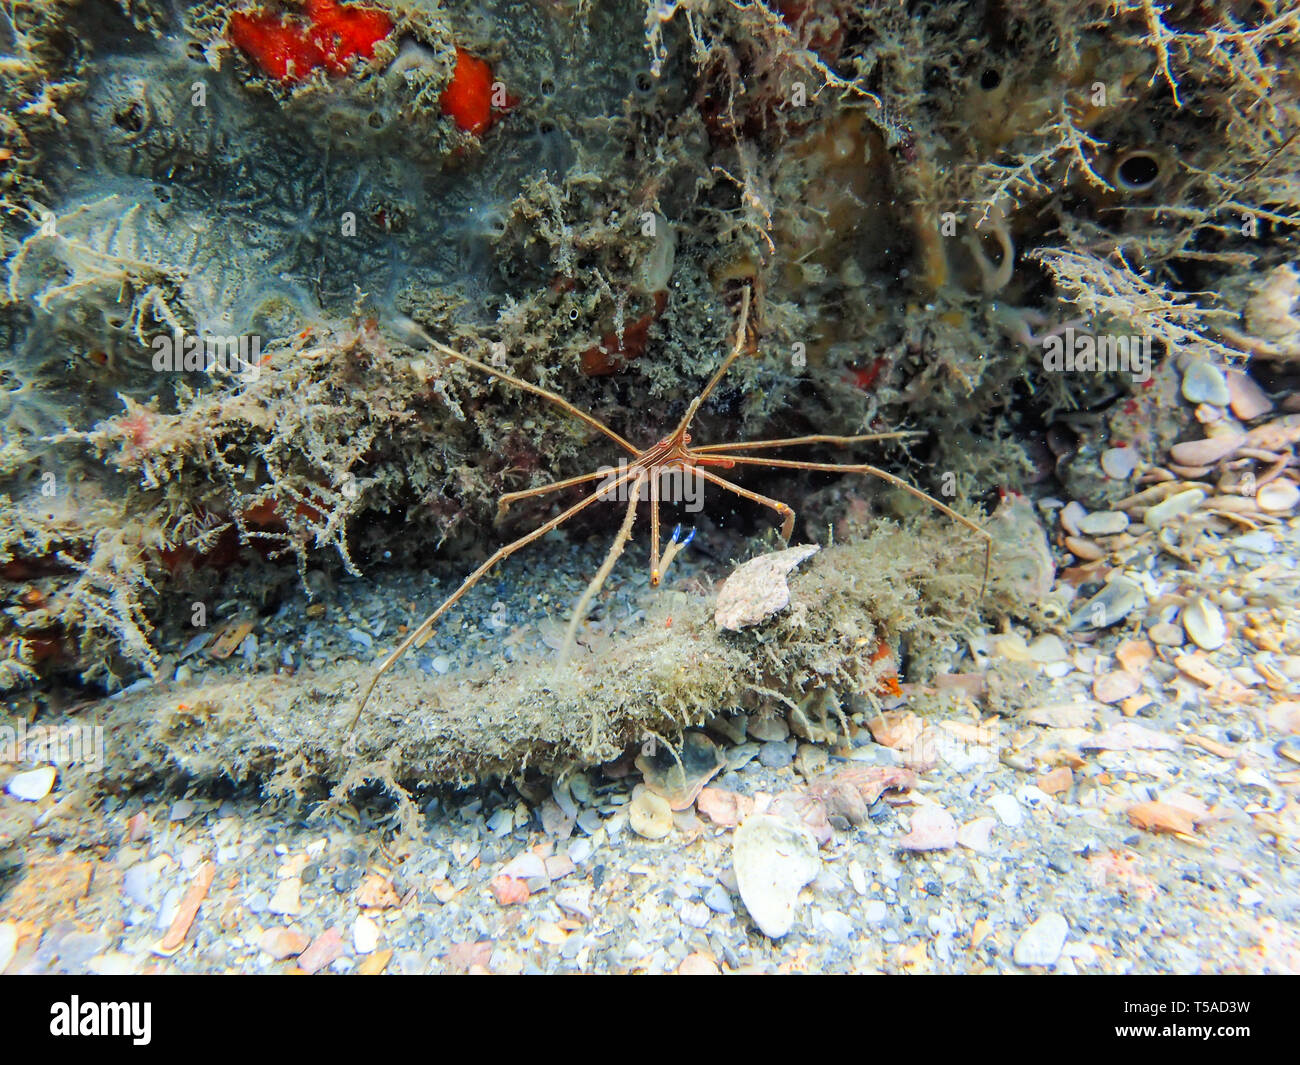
x: 1165, y: 511
x: 1247, y: 400
x: 757, y: 589
x: 649, y: 814
x: 774, y: 858
x: 1119, y: 463
x: 1204, y: 624
x: 1112, y: 604
x: 1071, y: 513
x: 1278, y: 497
x: 1103, y: 523
x: 1204, y: 383
x: 1084, y: 549
x: 678, y: 776
x: 1208, y: 451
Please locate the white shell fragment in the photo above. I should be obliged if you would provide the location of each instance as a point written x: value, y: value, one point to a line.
x: 1119, y: 463
x: 774, y: 859
x: 1112, y: 604
x: 1103, y: 523
x: 757, y: 589
x: 1204, y: 383
x: 1247, y: 399
x: 1204, y: 624
x: 1042, y: 942
x: 1278, y: 497
x: 1071, y: 514
x: 1166, y: 510
x: 33, y: 785
x: 1208, y: 451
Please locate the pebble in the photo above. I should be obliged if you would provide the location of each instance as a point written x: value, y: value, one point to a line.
x: 1071, y: 514
x: 181, y: 809
x: 698, y: 964
x: 324, y: 949
x: 1047, y: 649
x: 138, y: 882
x: 933, y: 828
x: 1288, y: 748
x: 1103, y: 523
x: 1204, y: 624
x: 1247, y: 400
x: 1166, y: 634
x: 77, y: 949
x: 977, y: 835
x: 32, y: 785
x: 581, y: 849
x: 1205, y: 383
x: 1084, y: 549
x: 283, y: 943
x: 776, y: 755
x: 1206, y: 451
x: 1166, y: 510
x: 1042, y: 942
x: 811, y: 760
x: 1278, y: 497
x: 1115, y: 686
x: 695, y: 914
x: 365, y: 935
x: 524, y: 867
x: 287, y: 900
x: 1257, y: 540
x: 575, y: 900
x: 718, y: 900
x: 837, y: 925
x: 1006, y: 806
x: 773, y: 858
x: 875, y: 912
x: 1118, y: 463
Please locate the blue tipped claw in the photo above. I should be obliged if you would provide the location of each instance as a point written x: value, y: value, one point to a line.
x: 677, y: 531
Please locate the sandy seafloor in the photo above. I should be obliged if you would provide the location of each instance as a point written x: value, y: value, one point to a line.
x: 1046, y: 874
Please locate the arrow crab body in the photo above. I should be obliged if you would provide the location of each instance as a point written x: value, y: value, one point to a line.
x: 640, y: 478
